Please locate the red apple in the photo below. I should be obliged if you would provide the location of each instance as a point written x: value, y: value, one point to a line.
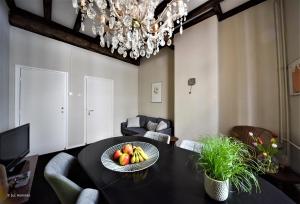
x: 127, y: 149
x: 124, y: 159
x: 117, y: 154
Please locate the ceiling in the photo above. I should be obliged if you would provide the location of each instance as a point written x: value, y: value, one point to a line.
x: 63, y: 13
x: 60, y: 21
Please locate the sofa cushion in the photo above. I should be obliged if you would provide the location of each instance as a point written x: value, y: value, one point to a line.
x: 143, y: 120
x: 161, y: 126
x: 133, y: 122
x: 151, y: 126
x: 166, y: 121
x: 136, y: 130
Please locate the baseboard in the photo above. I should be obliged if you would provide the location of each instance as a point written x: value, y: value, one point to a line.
x: 74, y: 146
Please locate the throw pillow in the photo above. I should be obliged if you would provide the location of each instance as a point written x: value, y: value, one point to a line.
x: 151, y: 126
x: 161, y: 126
x: 133, y: 122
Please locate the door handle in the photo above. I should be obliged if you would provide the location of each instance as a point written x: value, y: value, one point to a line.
x: 89, y: 112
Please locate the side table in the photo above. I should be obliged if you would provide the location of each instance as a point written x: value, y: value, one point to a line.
x: 173, y: 140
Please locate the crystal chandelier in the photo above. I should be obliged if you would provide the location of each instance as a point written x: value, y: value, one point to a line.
x: 130, y: 26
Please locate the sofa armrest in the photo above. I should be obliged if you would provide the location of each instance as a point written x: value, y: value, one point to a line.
x: 167, y: 131
x: 123, y: 127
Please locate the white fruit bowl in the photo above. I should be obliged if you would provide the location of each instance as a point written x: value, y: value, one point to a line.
x: 148, y: 148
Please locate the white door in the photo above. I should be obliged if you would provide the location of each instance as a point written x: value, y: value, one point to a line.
x: 43, y: 104
x: 99, y: 108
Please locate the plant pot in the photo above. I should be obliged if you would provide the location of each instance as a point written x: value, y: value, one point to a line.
x: 217, y: 190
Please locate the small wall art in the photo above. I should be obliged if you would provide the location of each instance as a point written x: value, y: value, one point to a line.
x: 294, y: 77
x: 156, y: 92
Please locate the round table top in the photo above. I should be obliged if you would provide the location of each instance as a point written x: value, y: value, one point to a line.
x: 174, y: 178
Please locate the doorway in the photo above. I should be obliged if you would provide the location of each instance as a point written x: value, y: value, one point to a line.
x: 99, y: 102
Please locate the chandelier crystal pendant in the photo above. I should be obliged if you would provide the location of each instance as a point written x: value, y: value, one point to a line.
x: 130, y: 26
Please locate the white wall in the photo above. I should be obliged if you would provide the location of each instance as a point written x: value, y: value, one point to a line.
x: 196, y: 55
x: 159, y: 68
x: 292, y: 21
x: 33, y: 50
x: 248, y: 85
x: 234, y: 62
x: 4, y: 65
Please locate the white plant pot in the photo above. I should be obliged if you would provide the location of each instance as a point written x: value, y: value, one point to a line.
x: 217, y: 190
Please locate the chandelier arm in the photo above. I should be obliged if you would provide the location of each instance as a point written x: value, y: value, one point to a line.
x: 112, y: 6
x: 163, y: 13
x: 143, y: 18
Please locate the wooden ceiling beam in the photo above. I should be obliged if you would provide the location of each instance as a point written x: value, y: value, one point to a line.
x: 204, y: 7
x: 240, y: 8
x: 199, y: 14
x: 218, y: 10
x: 47, y: 9
x: 196, y: 20
x: 161, y: 7
x: 36, y: 24
x: 11, y: 4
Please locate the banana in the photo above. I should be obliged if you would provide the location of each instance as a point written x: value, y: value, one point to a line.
x: 140, y: 157
x: 137, y: 159
x: 141, y: 152
x: 144, y: 155
x: 133, y: 159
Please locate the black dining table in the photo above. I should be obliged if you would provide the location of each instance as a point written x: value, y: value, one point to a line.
x: 173, y: 179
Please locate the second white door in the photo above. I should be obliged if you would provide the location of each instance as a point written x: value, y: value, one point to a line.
x: 98, y: 108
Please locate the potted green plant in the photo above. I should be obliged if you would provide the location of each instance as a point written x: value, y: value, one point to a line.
x: 227, y: 161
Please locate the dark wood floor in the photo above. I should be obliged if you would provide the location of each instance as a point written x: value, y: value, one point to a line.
x: 42, y: 193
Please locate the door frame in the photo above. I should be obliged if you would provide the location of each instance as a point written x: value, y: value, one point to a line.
x: 18, y: 92
x: 86, y: 77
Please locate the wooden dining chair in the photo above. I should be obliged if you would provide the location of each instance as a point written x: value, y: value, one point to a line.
x: 3, y: 184
x: 158, y: 136
x: 286, y: 176
x: 191, y: 145
x: 56, y: 172
x: 243, y: 134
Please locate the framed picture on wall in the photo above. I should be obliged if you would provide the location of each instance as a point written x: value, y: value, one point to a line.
x: 156, y: 92
x: 294, y: 77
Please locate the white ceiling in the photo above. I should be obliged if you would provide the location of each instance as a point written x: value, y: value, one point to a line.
x: 33, y: 6
x: 230, y: 4
x: 192, y: 4
x: 64, y: 14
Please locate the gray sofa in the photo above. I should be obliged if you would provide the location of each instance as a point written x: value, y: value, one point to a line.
x: 127, y: 131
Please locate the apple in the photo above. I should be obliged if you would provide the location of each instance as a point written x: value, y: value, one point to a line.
x: 127, y: 149
x: 124, y: 159
x: 117, y: 154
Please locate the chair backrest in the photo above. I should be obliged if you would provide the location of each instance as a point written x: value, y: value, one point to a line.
x: 191, y: 145
x: 158, y: 136
x: 56, y: 172
x: 242, y: 133
x: 89, y: 196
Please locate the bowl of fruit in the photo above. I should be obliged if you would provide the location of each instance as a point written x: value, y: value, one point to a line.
x: 130, y: 156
